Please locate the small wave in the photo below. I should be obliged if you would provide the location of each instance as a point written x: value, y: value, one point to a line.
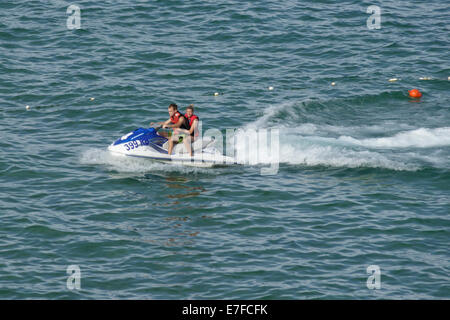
x: 320, y: 110
x: 270, y: 112
x: 418, y: 138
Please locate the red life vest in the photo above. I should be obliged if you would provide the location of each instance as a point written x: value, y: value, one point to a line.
x: 175, y: 117
x: 190, y: 121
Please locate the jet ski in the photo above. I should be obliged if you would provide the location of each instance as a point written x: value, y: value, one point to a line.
x: 151, y: 144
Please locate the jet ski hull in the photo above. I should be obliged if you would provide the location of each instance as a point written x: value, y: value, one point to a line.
x: 146, y: 143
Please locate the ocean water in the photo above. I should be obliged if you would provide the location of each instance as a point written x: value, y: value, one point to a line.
x: 364, y: 172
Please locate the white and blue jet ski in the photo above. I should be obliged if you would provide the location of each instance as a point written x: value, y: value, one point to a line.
x: 147, y: 143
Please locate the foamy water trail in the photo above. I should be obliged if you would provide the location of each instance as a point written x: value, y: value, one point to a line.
x: 299, y: 150
x: 346, y: 146
x: 419, y: 138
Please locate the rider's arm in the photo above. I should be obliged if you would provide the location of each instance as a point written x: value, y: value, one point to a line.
x: 165, y: 124
x: 176, y: 125
x: 161, y: 123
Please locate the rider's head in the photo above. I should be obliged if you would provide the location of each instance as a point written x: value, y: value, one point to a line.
x: 172, y: 109
x: 190, y: 110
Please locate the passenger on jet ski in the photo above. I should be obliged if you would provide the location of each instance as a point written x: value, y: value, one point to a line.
x: 180, y: 128
x: 192, y: 122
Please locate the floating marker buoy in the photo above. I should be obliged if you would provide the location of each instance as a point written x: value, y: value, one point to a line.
x: 448, y: 78
x: 393, y: 79
x: 414, y: 93
x: 216, y: 93
x: 333, y: 83
x: 270, y: 88
x: 27, y: 107
x: 92, y: 99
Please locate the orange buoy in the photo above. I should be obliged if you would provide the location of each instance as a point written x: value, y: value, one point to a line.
x: 414, y: 93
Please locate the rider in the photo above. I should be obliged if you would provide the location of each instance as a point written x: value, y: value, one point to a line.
x: 176, y: 122
x: 192, y: 122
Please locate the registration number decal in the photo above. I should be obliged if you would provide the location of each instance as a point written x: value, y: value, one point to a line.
x: 135, y: 144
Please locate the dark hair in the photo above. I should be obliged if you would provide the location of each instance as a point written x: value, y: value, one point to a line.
x: 191, y: 106
x: 173, y: 106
